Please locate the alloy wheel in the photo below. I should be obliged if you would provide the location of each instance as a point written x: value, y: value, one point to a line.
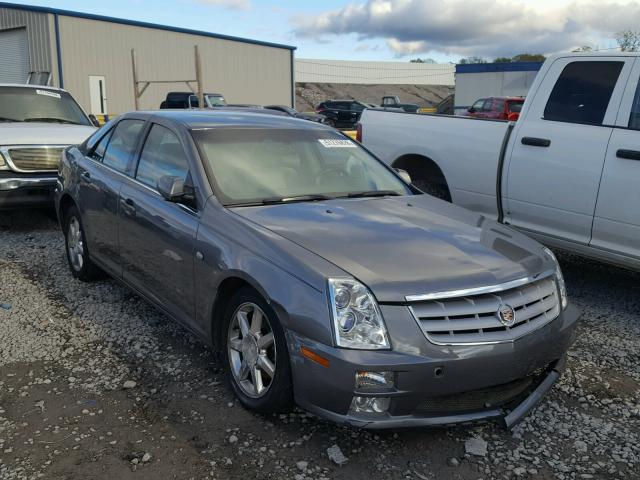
x: 75, y: 244
x: 252, y: 350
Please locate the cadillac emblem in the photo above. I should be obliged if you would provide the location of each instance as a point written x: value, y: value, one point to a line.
x: 506, y: 315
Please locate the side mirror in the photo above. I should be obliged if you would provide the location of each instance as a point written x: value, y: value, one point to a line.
x: 513, y: 116
x: 171, y: 188
x: 404, y: 175
x: 94, y: 120
x: 471, y: 110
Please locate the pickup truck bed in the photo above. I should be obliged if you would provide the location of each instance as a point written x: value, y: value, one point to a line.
x: 565, y: 173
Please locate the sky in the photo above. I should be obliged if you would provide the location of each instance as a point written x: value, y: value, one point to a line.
x: 396, y: 30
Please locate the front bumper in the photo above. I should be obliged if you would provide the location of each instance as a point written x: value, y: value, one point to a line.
x: 26, y: 190
x: 437, y: 385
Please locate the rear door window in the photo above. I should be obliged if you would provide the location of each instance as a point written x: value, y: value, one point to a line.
x: 582, y: 92
x: 122, y: 144
x: 161, y: 155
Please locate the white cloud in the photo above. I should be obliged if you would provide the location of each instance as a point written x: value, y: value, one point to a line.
x: 231, y: 4
x: 476, y: 27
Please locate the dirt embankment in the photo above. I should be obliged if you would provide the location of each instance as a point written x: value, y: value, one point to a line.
x: 308, y: 95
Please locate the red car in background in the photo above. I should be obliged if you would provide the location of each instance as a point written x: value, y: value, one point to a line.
x: 498, y: 108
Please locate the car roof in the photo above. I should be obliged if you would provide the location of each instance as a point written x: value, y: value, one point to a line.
x: 29, y: 85
x: 223, y: 117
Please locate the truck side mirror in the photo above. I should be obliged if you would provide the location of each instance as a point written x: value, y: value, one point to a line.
x: 404, y: 175
x: 94, y: 121
x: 513, y: 116
x: 471, y: 110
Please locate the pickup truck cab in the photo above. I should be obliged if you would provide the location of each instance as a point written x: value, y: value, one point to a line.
x: 566, y: 173
x: 189, y: 100
x: 393, y: 101
x: 36, y: 124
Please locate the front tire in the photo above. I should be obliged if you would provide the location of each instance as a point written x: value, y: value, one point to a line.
x: 80, y: 264
x: 256, y: 356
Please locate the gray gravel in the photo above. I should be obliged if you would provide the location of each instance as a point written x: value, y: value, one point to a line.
x: 94, y: 383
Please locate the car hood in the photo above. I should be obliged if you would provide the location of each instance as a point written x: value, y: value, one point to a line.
x: 41, y: 133
x: 401, y: 246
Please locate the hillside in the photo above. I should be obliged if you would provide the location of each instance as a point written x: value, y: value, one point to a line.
x: 308, y: 95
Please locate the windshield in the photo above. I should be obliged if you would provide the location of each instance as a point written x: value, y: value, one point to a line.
x: 21, y: 104
x: 256, y: 165
x: 216, y: 100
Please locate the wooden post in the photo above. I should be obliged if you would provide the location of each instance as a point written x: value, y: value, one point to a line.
x: 136, y: 97
x: 199, y: 78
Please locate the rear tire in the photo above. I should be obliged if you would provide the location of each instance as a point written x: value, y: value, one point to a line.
x: 256, y: 355
x: 80, y: 264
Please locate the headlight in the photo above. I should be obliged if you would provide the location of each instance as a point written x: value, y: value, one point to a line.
x: 562, y: 287
x: 3, y: 162
x: 356, y: 317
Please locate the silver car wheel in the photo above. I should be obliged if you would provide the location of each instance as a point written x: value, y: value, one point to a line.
x: 75, y: 244
x: 252, y: 350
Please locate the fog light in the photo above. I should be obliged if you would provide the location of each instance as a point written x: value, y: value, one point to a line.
x: 370, y: 404
x: 374, y: 381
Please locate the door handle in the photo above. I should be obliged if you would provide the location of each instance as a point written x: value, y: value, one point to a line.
x: 536, y: 142
x: 628, y: 154
x: 129, y: 207
x: 86, y: 176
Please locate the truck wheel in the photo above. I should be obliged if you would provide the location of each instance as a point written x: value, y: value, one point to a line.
x: 437, y: 190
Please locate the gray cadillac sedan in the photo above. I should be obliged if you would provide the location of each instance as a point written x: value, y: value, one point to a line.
x: 323, y: 277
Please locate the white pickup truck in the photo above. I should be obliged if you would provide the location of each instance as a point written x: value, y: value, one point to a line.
x: 567, y: 172
x: 36, y: 124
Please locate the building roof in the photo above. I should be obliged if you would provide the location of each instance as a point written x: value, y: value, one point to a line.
x: 499, y: 67
x: 135, y: 23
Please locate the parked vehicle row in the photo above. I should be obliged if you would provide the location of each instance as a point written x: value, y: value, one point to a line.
x: 323, y: 277
x: 497, y: 108
x: 566, y: 173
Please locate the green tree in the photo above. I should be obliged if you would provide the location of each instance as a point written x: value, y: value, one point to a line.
x: 529, y: 57
x: 502, y: 60
x: 628, y: 40
x: 469, y: 60
x: 422, y: 60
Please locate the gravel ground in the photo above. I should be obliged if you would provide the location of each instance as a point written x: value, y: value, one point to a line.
x: 95, y: 384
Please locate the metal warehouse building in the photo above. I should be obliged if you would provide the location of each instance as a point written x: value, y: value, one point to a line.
x: 90, y: 55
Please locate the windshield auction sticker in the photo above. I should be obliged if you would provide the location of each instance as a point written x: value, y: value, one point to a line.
x: 336, y: 143
x: 48, y: 93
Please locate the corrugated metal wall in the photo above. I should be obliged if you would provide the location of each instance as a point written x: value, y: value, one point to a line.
x: 242, y: 72
x: 397, y: 73
x: 38, y: 35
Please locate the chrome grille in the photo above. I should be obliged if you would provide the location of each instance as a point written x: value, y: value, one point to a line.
x: 35, y: 158
x: 474, y: 318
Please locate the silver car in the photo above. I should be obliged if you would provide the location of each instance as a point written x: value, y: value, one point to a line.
x: 323, y: 276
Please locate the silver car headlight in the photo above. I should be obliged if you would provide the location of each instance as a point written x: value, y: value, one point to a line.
x: 357, y: 319
x: 562, y: 287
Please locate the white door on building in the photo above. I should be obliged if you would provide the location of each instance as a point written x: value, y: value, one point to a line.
x: 98, y: 95
x: 14, y: 56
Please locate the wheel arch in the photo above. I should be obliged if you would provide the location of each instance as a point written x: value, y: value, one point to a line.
x: 227, y: 288
x: 422, y: 170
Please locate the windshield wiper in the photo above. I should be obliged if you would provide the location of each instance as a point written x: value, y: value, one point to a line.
x: 374, y: 193
x: 277, y: 200
x: 6, y: 119
x: 50, y: 119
